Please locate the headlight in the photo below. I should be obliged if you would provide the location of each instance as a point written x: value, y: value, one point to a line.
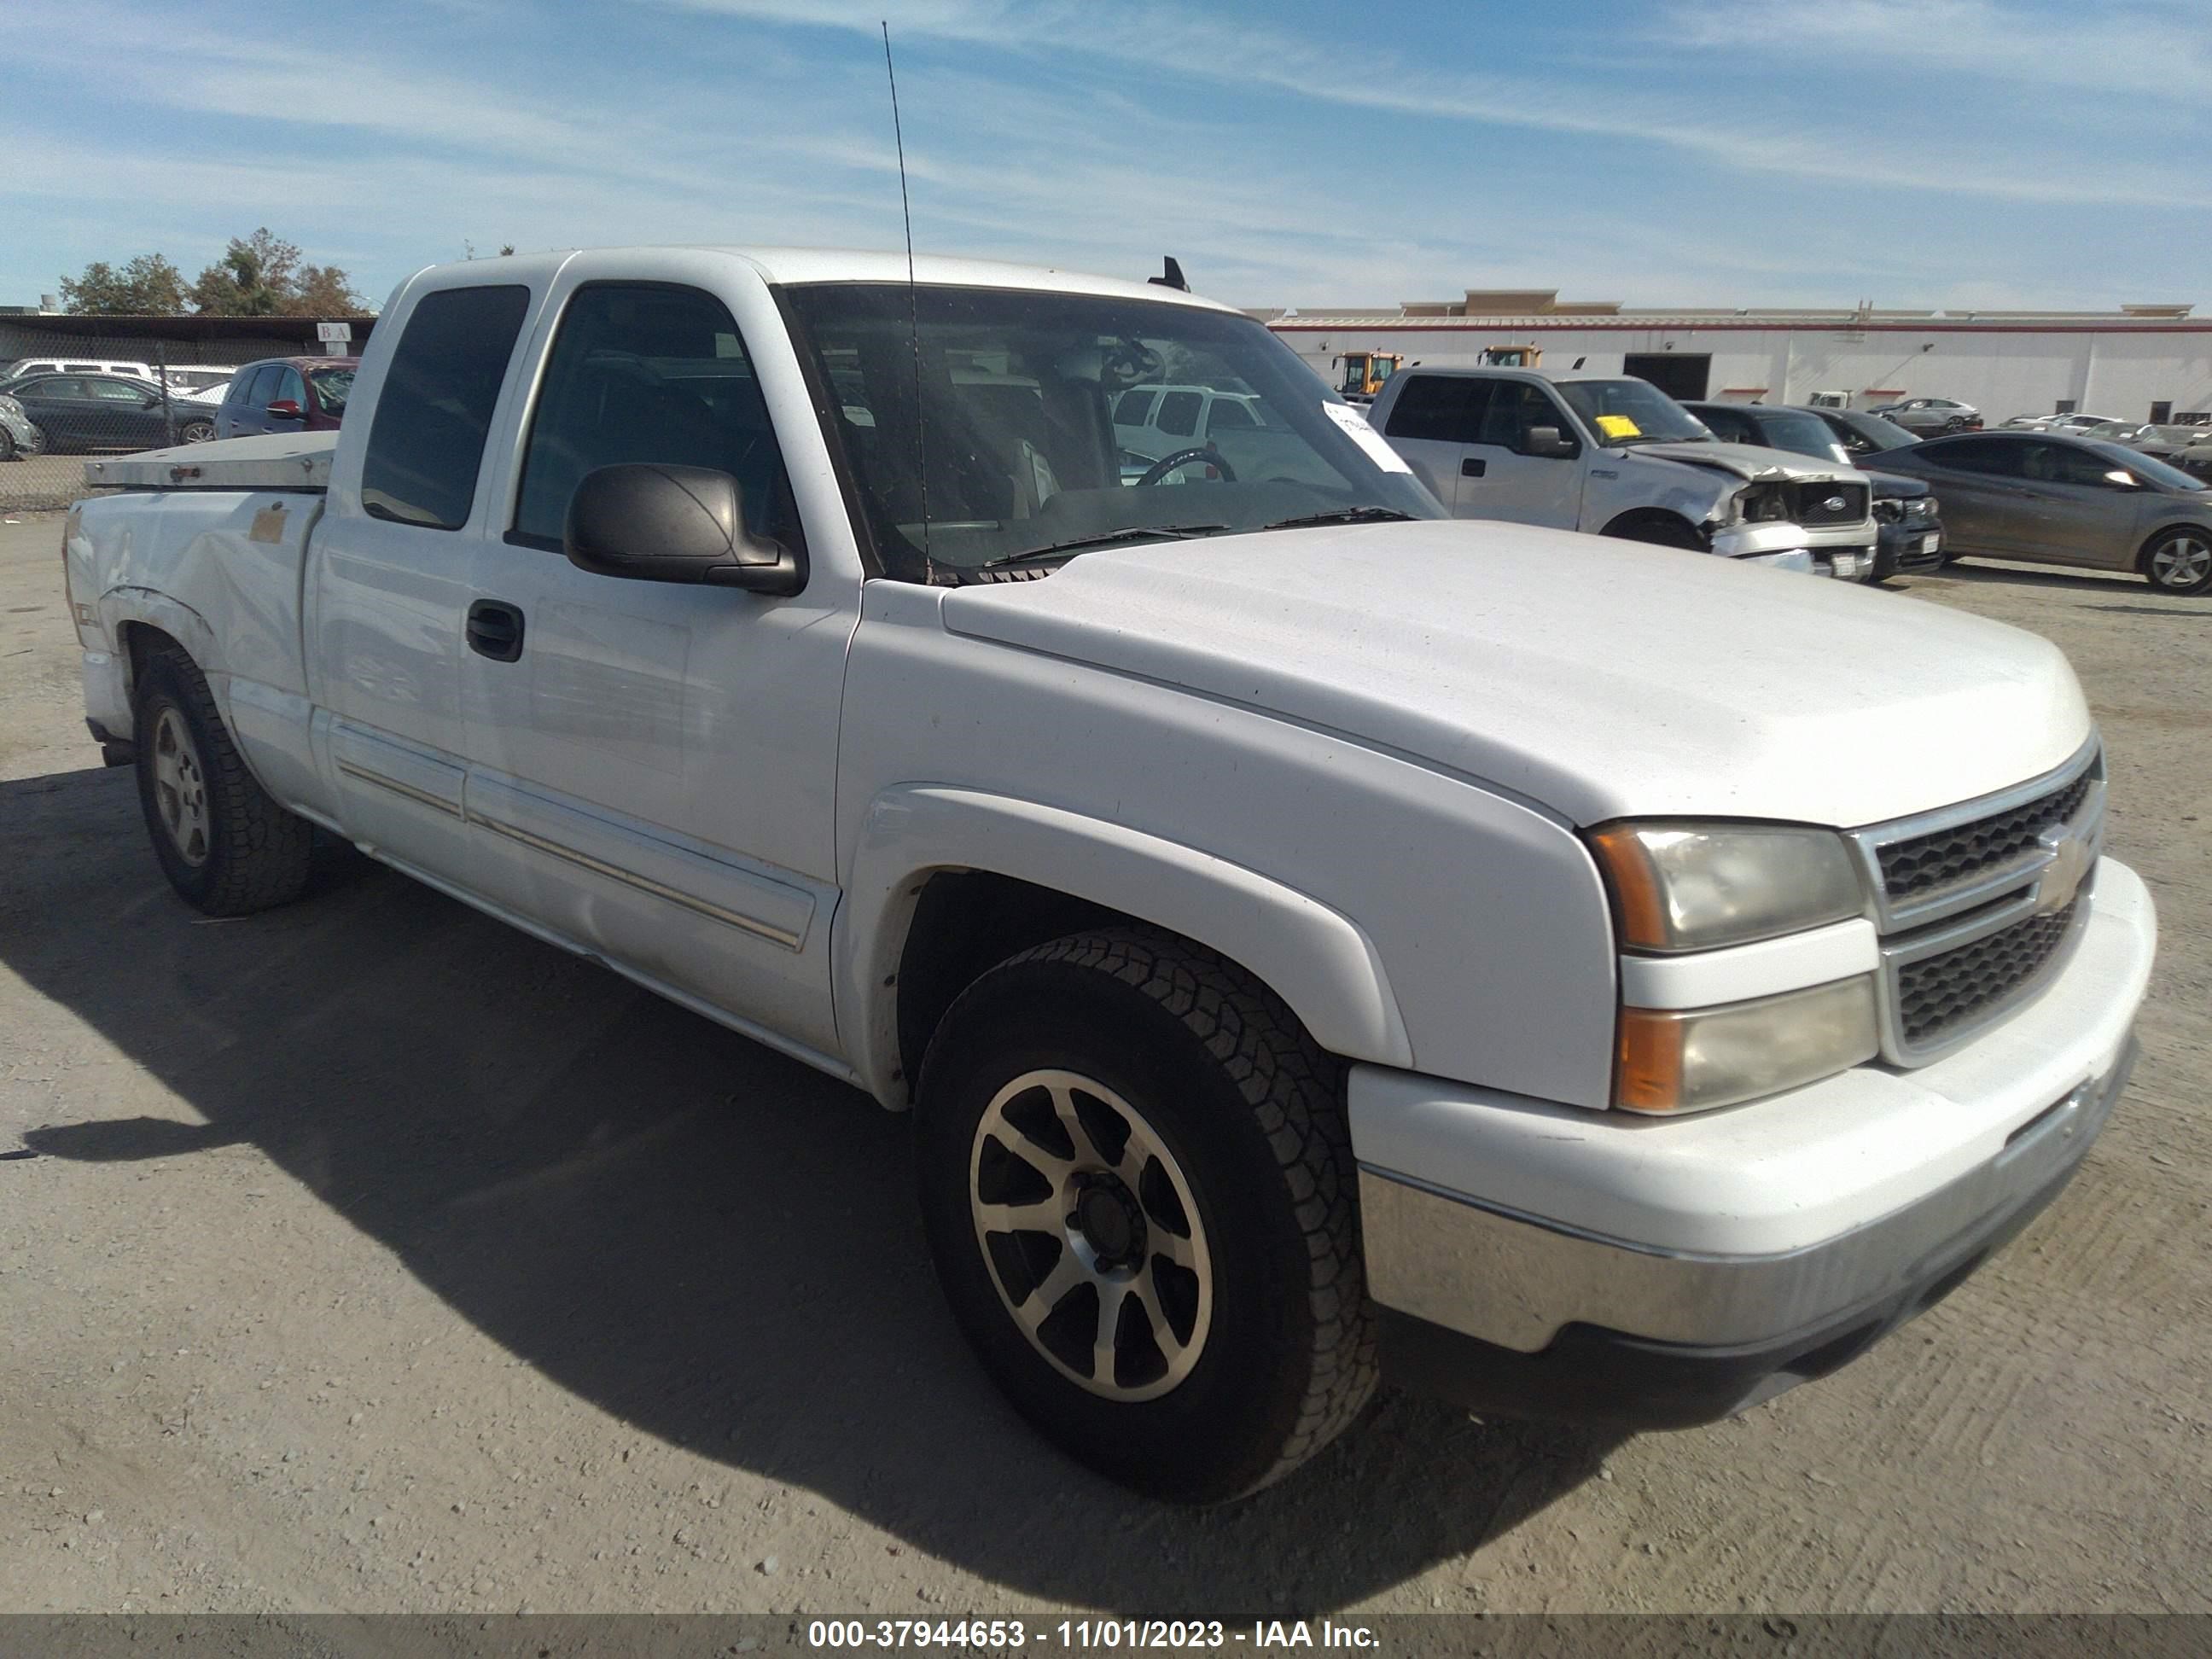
x: 1760, y: 503
x: 1694, y: 886
x: 1689, y: 1059
x: 1925, y: 508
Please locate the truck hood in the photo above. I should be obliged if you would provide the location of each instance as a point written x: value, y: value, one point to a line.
x: 1599, y: 678
x: 1741, y: 461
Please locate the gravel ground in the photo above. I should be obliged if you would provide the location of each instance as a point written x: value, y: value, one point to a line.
x: 40, y: 483
x: 373, y: 1256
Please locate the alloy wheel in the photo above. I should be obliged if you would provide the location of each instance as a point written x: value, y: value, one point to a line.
x: 180, y: 787
x: 1091, y: 1235
x: 2181, y: 561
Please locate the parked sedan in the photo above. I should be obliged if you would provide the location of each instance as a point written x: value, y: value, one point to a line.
x: 19, y: 439
x: 287, y: 394
x: 2165, y: 441
x: 106, y: 411
x: 1923, y: 415
x: 2052, y: 499
x: 1909, y: 536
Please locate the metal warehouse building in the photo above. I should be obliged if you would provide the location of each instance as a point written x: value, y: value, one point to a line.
x: 2145, y: 362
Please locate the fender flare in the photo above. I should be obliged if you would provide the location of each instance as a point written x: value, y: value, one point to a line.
x: 121, y: 606
x: 1316, y: 959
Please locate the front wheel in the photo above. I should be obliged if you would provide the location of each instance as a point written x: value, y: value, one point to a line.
x: 197, y: 430
x: 1659, y: 530
x: 226, y: 846
x: 1140, y: 1193
x: 2180, y: 562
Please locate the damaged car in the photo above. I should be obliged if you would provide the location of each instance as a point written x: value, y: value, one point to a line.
x: 1615, y: 455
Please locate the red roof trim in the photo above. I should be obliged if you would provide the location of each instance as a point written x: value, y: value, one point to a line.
x: 1430, y: 324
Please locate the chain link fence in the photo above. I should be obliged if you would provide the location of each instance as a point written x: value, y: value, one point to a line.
x: 66, y: 393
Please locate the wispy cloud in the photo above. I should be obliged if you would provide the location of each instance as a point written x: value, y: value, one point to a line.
x: 1796, y: 151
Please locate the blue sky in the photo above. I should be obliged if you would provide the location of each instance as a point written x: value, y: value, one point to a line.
x: 1787, y: 152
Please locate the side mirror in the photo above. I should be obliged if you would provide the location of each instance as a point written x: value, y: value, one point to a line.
x: 285, y: 409
x: 1549, y: 442
x: 2121, y: 478
x: 655, y: 523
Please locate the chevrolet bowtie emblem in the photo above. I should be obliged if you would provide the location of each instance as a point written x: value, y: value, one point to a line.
x: 2071, y: 856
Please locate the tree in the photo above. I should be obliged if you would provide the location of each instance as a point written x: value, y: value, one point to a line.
x: 323, y: 291
x: 253, y: 278
x: 148, y: 286
x: 262, y: 275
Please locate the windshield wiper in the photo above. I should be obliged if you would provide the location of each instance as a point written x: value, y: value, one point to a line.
x: 1345, y: 515
x: 1173, y: 532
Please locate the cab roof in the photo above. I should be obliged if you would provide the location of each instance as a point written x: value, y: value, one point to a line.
x: 793, y: 265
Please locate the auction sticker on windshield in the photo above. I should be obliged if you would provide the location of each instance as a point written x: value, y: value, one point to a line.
x: 1366, y: 437
x: 1618, y: 426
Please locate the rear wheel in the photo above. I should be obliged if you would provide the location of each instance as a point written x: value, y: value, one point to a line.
x: 197, y: 430
x: 226, y: 846
x: 2180, y: 562
x: 1139, y: 1195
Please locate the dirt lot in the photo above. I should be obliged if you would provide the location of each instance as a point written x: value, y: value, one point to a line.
x: 373, y: 1257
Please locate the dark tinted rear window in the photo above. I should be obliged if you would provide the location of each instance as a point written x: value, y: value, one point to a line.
x: 426, y: 446
x: 1447, y: 408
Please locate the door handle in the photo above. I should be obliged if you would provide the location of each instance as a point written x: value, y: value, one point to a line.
x: 495, y: 629
x: 1472, y: 466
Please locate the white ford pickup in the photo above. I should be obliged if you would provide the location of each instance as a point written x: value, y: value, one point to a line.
x: 1320, y: 940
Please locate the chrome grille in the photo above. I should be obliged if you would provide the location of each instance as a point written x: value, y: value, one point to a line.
x: 1927, y: 863
x: 1978, y: 904
x: 1937, y: 992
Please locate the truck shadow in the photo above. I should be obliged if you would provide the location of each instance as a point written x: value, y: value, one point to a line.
x: 2003, y: 574
x: 706, y: 1241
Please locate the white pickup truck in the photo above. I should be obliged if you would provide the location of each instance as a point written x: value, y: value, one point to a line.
x: 1320, y: 940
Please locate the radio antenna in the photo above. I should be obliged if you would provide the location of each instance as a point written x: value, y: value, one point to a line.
x: 913, y: 313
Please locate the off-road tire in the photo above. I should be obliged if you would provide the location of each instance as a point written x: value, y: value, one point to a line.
x: 1252, y: 1109
x: 257, y: 853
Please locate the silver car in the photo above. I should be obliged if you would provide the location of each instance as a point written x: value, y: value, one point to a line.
x: 1922, y: 416
x: 2051, y: 498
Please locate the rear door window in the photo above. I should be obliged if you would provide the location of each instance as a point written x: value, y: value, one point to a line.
x: 1134, y: 406
x: 1996, y: 457
x: 1178, y: 415
x: 1440, y: 408
x: 426, y: 446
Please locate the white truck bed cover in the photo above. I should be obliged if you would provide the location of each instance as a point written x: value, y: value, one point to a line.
x: 281, y: 460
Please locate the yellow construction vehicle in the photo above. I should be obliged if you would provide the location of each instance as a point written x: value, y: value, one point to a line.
x: 1364, y: 371
x: 1511, y: 357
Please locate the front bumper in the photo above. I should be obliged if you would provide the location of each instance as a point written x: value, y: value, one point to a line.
x: 1651, y: 1274
x: 1909, y: 549
x: 1845, y: 550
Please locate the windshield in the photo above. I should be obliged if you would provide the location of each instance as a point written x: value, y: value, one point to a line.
x: 332, y: 387
x: 1629, y: 411
x: 2148, y: 468
x: 1874, y: 433
x: 1045, y: 419
x: 1801, y: 435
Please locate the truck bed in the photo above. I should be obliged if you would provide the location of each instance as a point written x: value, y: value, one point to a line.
x: 282, y: 460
